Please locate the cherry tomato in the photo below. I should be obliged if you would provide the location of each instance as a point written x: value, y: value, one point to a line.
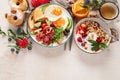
x: 44, y: 24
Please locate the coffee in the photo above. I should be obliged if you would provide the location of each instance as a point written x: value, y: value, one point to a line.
x: 109, y: 10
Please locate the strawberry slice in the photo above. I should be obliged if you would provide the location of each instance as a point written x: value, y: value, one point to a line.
x: 84, y: 26
x: 79, y: 28
x: 77, y: 31
x: 81, y: 31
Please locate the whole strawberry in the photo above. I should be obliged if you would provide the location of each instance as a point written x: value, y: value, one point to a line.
x: 36, y: 3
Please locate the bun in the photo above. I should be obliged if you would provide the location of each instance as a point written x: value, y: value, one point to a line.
x: 15, y: 17
x: 20, y: 4
x: 34, y: 17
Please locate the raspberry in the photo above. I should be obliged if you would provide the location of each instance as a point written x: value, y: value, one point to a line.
x: 99, y: 39
x: 79, y: 39
x: 84, y: 35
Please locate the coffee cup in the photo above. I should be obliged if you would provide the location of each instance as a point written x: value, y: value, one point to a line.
x: 109, y: 11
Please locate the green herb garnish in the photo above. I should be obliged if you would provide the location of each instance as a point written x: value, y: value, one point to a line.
x: 86, y: 7
x: 23, y: 33
x: 58, y: 34
x: 14, y: 46
x: 2, y: 32
x: 97, y: 3
x: 96, y: 46
x: 11, y: 34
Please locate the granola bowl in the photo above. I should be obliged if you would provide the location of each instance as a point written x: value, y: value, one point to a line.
x: 92, y: 35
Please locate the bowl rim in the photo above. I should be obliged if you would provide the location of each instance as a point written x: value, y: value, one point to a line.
x: 94, y: 19
x: 71, y: 30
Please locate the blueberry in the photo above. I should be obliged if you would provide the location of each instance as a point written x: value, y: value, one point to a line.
x: 82, y: 44
x: 17, y: 52
x: 66, y: 32
x: 52, y: 25
x: 40, y: 27
x: 12, y: 49
x: 9, y: 39
x: 31, y: 42
x: 29, y: 48
x: 16, y: 43
x: 19, y: 30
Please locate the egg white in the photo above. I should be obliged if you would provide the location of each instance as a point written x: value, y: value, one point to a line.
x: 49, y: 15
x: 66, y: 22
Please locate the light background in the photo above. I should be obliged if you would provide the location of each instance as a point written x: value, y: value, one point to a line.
x: 56, y: 64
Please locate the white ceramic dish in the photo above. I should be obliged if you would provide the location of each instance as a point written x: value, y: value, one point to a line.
x: 65, y: 14
x: 103, y: 26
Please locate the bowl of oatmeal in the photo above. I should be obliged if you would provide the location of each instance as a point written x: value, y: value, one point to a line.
x: 92, y: 35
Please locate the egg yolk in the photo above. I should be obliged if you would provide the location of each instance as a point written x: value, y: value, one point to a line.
x: 59, y: 23
x: 57, y: 11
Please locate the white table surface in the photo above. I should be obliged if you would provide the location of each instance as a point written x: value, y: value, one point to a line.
x: 56, y: 64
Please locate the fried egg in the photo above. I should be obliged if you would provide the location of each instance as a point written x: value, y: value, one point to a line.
x: 53, y: 12
x: 61, y: 22
x: 66, y: 22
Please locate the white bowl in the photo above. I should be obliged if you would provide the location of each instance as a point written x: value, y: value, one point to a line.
x: 104, y: 26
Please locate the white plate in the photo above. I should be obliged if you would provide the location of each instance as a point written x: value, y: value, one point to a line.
x: 65, y: 14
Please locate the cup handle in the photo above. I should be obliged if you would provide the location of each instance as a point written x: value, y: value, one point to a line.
x: 115, y: 35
